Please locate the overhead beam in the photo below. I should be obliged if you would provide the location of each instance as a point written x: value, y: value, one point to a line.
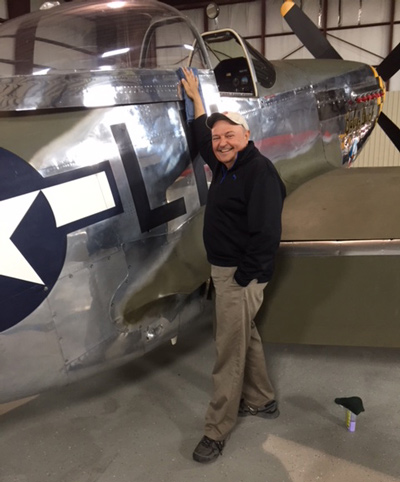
x: 325, y: 17
x: 263, y: 24
x: 18, y: 8
x: 332, y: 29
x: 205, y: 21
x: 391, y: 31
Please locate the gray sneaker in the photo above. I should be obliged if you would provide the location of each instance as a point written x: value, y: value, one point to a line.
x: 208, y: 449
x: 270, y: 410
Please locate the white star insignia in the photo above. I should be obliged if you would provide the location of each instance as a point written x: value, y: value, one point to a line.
x: 69, y: 201
x: 12, y: 262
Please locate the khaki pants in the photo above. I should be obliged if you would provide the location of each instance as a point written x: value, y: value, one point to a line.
x: 239, y: 370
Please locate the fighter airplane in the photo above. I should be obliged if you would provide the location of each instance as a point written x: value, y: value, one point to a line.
x: 101, y: 190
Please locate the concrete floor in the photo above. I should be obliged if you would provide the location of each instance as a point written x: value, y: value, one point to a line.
x: 140, y: 422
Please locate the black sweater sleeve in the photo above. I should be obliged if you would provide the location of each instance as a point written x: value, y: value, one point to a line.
x: 264, y: 210
x: 202, y: 136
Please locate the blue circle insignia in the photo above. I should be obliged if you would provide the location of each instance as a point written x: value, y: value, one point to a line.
x: 32, y: 250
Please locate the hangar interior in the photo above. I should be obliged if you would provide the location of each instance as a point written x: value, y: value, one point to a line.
x: 334, y: 329
x: 364, y: 31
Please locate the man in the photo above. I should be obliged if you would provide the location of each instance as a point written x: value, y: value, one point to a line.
x: 242, y: 229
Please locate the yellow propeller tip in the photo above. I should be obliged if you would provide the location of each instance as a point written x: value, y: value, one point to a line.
x: 286, y: 7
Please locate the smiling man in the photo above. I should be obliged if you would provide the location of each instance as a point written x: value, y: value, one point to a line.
x: 229, y: 136
x: 242, y: 230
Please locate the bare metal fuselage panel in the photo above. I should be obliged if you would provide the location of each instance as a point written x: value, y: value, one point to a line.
x: 102, y: 192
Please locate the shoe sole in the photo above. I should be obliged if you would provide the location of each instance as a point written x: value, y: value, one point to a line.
x: 266, y: 415
x: 204, y: 460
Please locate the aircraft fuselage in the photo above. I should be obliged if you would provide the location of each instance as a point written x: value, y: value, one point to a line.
x: 102, y: 193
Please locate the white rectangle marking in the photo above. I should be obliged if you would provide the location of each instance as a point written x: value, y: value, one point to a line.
x: 80, y: 198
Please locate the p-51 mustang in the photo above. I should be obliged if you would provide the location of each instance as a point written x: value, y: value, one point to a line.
x: 101, y: 192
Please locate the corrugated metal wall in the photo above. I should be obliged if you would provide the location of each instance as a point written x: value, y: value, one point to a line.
x: 379, y: 150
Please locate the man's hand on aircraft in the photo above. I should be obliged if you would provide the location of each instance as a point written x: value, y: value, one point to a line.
x: 191, y: 85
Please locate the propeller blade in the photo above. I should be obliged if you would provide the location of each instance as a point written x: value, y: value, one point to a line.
x: 307, y: 32
x: 390, y: 128
x: 389, y: 66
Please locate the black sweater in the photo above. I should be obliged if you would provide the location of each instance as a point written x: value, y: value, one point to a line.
x: 242, y: 223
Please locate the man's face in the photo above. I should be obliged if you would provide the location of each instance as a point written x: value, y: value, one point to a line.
x: 227, y: 140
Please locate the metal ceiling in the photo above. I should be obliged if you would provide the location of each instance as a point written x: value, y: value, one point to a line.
x: 20, y: 7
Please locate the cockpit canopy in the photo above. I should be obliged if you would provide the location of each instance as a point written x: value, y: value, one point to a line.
x: 100, y: 35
